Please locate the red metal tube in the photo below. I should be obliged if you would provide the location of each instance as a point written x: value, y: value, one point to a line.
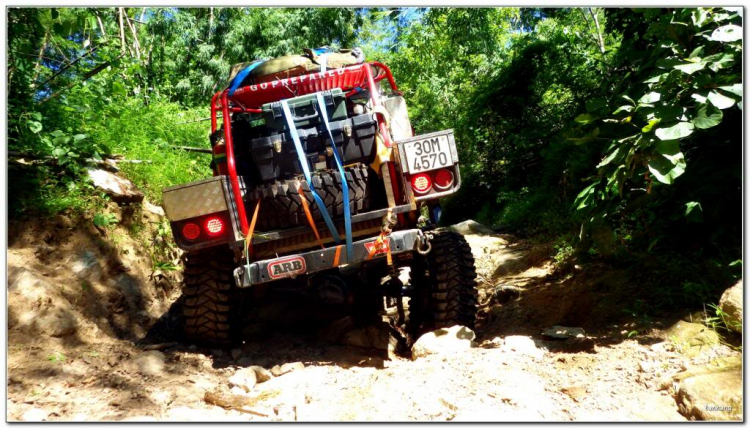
x: 388, y: 74
x: 213, y: 111
x: 233, y: 180
x: 375, y: 97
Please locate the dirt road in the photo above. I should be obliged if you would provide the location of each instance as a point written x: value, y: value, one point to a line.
x: 81, y: 309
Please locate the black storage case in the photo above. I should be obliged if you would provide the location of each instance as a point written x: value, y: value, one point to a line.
x: 275, y: 157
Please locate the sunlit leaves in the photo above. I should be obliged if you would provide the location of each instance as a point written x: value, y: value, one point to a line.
x: 668, y: 162
x: 680, y: 130
x: 719, y: 100
x: 708, y: 116
x: 727, y: 33
x: 650, y: 98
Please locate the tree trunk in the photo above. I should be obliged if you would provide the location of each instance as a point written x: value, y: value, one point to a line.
x: 122, y: 30
x: 136, y: 43
x: 86, y: 77
x: 38, y: 66
x: 101, y: 25
x: 598, y: 31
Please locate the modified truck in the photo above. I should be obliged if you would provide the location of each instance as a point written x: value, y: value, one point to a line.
x: 320, y: 187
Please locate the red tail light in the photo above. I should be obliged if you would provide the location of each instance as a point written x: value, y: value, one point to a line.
x: 421, y: 183
x: 443, y: 179
x: 214, y: 226
x: 191, y: 231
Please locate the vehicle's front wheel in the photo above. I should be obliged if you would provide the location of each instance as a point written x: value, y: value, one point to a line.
x: 211, y: 302
x: 444, y: 283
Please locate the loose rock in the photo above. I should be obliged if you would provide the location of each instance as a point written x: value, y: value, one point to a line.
x: 244, y: 379
x: 561, y: 333
x: 471, y: 227
x: 262, y: 374
x: 150, y: 363
x: 523, y: 345
x: 731, y: 304
x: 119, y: 189
x: 451, y: 340
x: 286, y: 368
x: 691, y: 338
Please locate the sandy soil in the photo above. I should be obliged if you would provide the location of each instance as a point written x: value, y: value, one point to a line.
x: 119, y: 357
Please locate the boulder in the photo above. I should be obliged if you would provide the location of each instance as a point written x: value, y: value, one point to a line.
x: 444, y: 341
x: 244, y: 379
x: 731, y: 304
x: 119, y: 189
x: 712, y: 397
x: 691, y: 339
x: 471, y: 227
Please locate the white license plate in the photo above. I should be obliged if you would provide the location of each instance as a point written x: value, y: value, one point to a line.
x: 428, y: 154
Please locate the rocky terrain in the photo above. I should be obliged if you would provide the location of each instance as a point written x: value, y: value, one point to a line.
x: 94, y: 336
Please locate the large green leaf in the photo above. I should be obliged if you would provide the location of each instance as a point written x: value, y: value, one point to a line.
x: 670, y: 149
x: 708, y: 116
x: 719, y: 100
x: 650, y: 98
x: 736, y: 89
x: 690, y: 68
x: 585, y: 118
x: 669, y: 163
x: 34, y: 126
x: 609, y: 158
x: 680, y: 130
x: 727, y: 33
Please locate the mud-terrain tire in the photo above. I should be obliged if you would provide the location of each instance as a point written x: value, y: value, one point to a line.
x: 281, y: 206
x: 210, y: 297
x: 444, y: 283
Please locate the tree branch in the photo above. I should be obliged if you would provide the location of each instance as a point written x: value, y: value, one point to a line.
x: 86, y: 77
x: 598, y: 30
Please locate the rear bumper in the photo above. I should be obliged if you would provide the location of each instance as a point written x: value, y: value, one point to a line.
x: 306, y: 263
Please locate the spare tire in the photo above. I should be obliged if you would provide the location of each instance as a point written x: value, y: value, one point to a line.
x: 281, y: 205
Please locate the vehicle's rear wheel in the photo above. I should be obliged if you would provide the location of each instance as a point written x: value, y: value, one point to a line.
x: 209, y: 308
x: 281, y: 205
x: 444, y: 283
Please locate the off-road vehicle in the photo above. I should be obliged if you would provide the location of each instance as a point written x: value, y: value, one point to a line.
x: 321, y: 185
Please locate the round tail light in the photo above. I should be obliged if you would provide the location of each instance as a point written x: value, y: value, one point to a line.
x: 421, y: 183
x: 214, y: 226
x: 443, y: 179
x: 191, y: 231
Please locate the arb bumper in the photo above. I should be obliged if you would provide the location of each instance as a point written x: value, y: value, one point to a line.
x: 299, y: 264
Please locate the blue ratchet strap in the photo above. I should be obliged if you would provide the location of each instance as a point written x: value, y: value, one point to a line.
x: 306, y: 171
x: 344, y: 184
x: 242, y: 74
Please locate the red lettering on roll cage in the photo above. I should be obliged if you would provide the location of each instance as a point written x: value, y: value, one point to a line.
x: 288, y: 267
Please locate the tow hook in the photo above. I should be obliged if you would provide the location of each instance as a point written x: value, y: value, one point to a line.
x: 423, y: 243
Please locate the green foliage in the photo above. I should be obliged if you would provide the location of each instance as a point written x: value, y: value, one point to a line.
x: 104, y: 220
x: 689, y: 74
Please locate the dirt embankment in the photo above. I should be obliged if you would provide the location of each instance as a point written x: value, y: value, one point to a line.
x: 94, y: 335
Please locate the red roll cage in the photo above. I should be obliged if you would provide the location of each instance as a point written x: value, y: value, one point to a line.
x: 249, y: 99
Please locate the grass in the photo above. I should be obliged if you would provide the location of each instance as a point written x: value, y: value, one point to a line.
x: 149, y: 133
